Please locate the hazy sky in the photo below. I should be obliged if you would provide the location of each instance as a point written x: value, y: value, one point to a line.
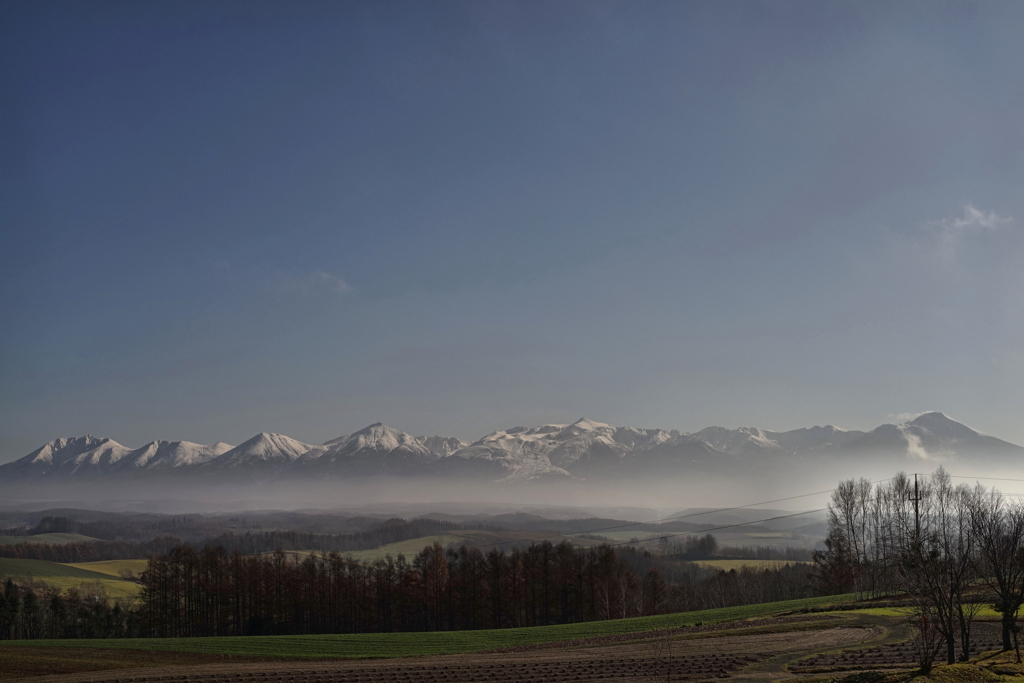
x: 224, y: 218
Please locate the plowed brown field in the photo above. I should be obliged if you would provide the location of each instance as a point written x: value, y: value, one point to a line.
x: 677, y: 655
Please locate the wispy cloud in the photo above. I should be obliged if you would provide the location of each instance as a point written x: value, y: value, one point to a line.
x: 316, y: 282
x: 905, y: 417
x: 917, y: 451
x: 973, y: 220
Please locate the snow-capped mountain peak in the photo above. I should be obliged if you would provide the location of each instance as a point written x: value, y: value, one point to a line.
x: 943, y: 426
x: 584, y: 450
x: 742, y: 441
x: 172, y: 454
x: 377, y: 437
x: 373, y: 450
x: 264, y: 448
x: 71, y: 456
x: 584, y: 425
x: 442, y: 446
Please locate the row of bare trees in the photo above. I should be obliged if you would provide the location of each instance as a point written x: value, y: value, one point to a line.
x: 28, y: 612
x: 948, y: 548
x: 208, y: 591
x: 192, y: 592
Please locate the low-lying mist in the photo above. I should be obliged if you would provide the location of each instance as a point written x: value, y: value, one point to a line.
x: 783, y: 485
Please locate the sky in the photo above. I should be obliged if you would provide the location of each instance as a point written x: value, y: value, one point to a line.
x: 222, y: 218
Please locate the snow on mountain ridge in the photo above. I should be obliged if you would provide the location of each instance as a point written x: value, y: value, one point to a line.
x: 941, y: 425
x: 172, y: 454
x: 744, y: 440
x: 372, y: 451
x: 585, y: 448
x: 265, y: 447
x: 71, y: 455
x: 442, y: 446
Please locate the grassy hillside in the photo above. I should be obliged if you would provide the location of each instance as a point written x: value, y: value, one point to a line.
x: 64, y: 576
x: 52, y: 539
x: 627, y: 535
x: 362, y: 645
x: 408, y: 548
x: 483, y: 539
x: 112, y: 567
x: 755, y: 564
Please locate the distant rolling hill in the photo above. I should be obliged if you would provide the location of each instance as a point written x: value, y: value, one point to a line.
x: 65, y: 577
x: 52, y: 539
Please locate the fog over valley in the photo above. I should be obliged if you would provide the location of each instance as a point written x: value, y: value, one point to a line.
x: 585, y: 462
x: 511, y: 341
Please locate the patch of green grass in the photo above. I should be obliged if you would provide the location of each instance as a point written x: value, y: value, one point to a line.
x: 52, y: 539
x: 783, y: 535
x: 363, y: 645
x: 986, y: 612
x: 484, y: 539
x: 409, y: 548
x: 753, y: 564
x: 42, y: 569
x: 629, y: 535
x: 112, y: 567
x: 65, y: 577
x: 952, y: 673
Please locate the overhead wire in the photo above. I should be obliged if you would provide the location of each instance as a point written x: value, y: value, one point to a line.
x: 720, y: 528
x: 962, y: 476
x: 664, y: 519
x: 714, y: 511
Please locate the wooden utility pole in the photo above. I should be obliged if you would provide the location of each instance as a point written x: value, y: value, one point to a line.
x: 917, y: 512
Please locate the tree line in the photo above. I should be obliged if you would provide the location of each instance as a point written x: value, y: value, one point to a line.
x: 947, y: 548
x: 201, y: 592
x: 29, y: 613
x: 389, y: 531
x: 192, y: 592
x: 189, y: 591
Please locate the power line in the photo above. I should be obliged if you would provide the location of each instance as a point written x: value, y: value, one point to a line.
x: 667, y: 519
x: 657, y: 538
x: 712, y: 511
x: 960, y: 476
x: 671, y: 519
x: 727, y: 526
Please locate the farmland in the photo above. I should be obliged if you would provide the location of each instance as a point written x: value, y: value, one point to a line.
x: 759, y: 642
x: 408, y: 548
x: 53, y: 539
x: 65, y: 577
x: 112, y: 567
x: 739, y: 564
x: 480, y: 538
x: 364, y: 645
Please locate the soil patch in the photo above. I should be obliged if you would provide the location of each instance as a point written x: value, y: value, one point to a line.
x: 650, y: 659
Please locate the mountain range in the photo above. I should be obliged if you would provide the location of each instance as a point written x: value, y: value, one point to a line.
x: 584, y: 451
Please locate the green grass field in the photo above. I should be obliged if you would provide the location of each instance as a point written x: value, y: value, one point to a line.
x: 984, y: 612
x: 767, y: 535
x: 628, y: 535
x: 112, y: 567
x: 364, y: 645
x: 480, y: 538
x: 409, y: 548
x: 53, y: 539
x: 754, y: 564
x: 64, y: 577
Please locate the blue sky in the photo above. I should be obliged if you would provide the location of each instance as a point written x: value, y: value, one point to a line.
x: 224, y: 218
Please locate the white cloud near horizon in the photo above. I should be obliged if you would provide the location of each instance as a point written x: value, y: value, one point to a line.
x: 317, y: 281
x: 906, y: 417
x: 973, y: 220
